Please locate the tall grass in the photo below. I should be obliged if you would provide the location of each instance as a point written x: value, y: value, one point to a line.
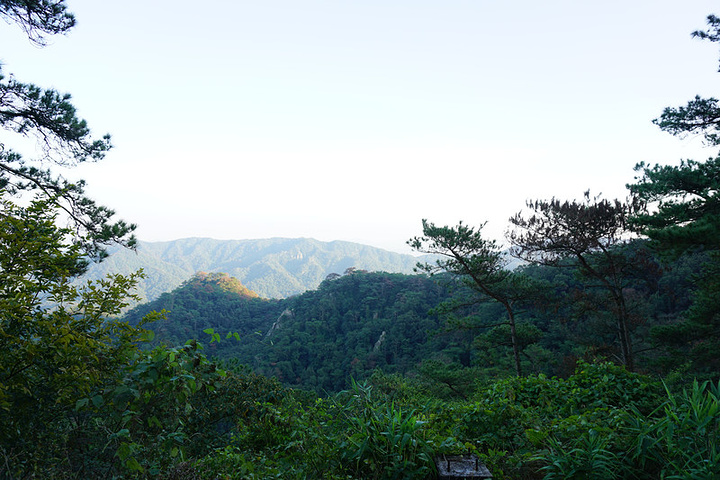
x: 681, y: 439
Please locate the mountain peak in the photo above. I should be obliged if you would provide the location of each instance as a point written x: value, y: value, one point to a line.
x: 219, y: 281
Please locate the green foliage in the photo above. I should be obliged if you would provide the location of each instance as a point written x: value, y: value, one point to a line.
x: 693, y: 339
x: 587, y: 458
x: 557, y: 229
x: 681, y: 215
x: 591, y: 237
x: 77, y: 396
x: 211, y: 302
x: 50, y: 118
x: 522, y: 416
x: 380, y: 442
x: 316, y: 340
x: 319, y: 339
x: 356, y: 434
x: 685, y: 218
x: 481, y: 266
x: 676, y: 440
x: 701, y: 115
x: 448, y: 380
x: 59, y: 342
x: 685, y: 201
x: 350, y: 327
x: 219, y: 281
x: 681, y: 439
x: 522, y: 428
x: 148, y: 410
x: 56, y: 341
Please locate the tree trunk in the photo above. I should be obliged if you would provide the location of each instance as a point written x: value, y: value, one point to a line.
x: 514, y: 339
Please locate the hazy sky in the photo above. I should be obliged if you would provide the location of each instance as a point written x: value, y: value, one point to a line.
x: 342, y: 120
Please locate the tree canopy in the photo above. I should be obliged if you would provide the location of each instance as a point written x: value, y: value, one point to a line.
x: 701, y: 116
x: 588, y: 236
x: 479, y: 262
x: 681, y: 215
x: 682, y: 204
x: 63, y: 138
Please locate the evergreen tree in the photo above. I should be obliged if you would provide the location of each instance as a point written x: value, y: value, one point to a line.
x: 587, y: 236
x: 701, y: 116
x: 681, y: 215
x: 480, y: 264
x: 49, y: 117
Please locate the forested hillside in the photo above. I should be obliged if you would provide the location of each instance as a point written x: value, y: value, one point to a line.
x: 274, y: 268
x: 351, y: 325
x: 360, y: 322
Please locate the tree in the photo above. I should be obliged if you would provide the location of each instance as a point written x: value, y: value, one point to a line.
x: 78, y: 397
x: 681, y: 204
x: 56, y: 342
x: 64, y: 139
x: 38, y: 17
x: 681, y: 214
x: 588, y: 236
x: 701, y: 115
x: 479, y: 263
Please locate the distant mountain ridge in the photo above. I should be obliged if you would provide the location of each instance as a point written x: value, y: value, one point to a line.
x: 274, y: 267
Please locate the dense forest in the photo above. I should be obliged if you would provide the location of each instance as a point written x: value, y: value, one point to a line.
x: 598, y: 357
x: 360, y: 322
x: 350, y: 326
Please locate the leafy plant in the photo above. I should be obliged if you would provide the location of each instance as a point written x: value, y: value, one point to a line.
x: 381, y: 441
x: 681, y: 439
x: 58, y: 341
x: 585, y: 458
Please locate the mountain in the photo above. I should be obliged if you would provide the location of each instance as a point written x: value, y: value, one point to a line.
x: 274, y: 268
x: 351, y: 325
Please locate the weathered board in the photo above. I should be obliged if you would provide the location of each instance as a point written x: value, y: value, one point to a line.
x: 461, y: 467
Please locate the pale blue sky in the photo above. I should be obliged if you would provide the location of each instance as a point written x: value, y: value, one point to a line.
x: 354, y: 120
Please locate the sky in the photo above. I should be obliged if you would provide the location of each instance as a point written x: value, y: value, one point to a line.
x: 355, y: 120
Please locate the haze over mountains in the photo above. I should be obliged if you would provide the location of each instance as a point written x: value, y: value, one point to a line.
x: 274, y: 268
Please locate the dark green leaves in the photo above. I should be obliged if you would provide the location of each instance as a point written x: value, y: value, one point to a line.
x: 58, y: 344
x: 50, y: 117
x: 682, y: 204
x: 701, y: 116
